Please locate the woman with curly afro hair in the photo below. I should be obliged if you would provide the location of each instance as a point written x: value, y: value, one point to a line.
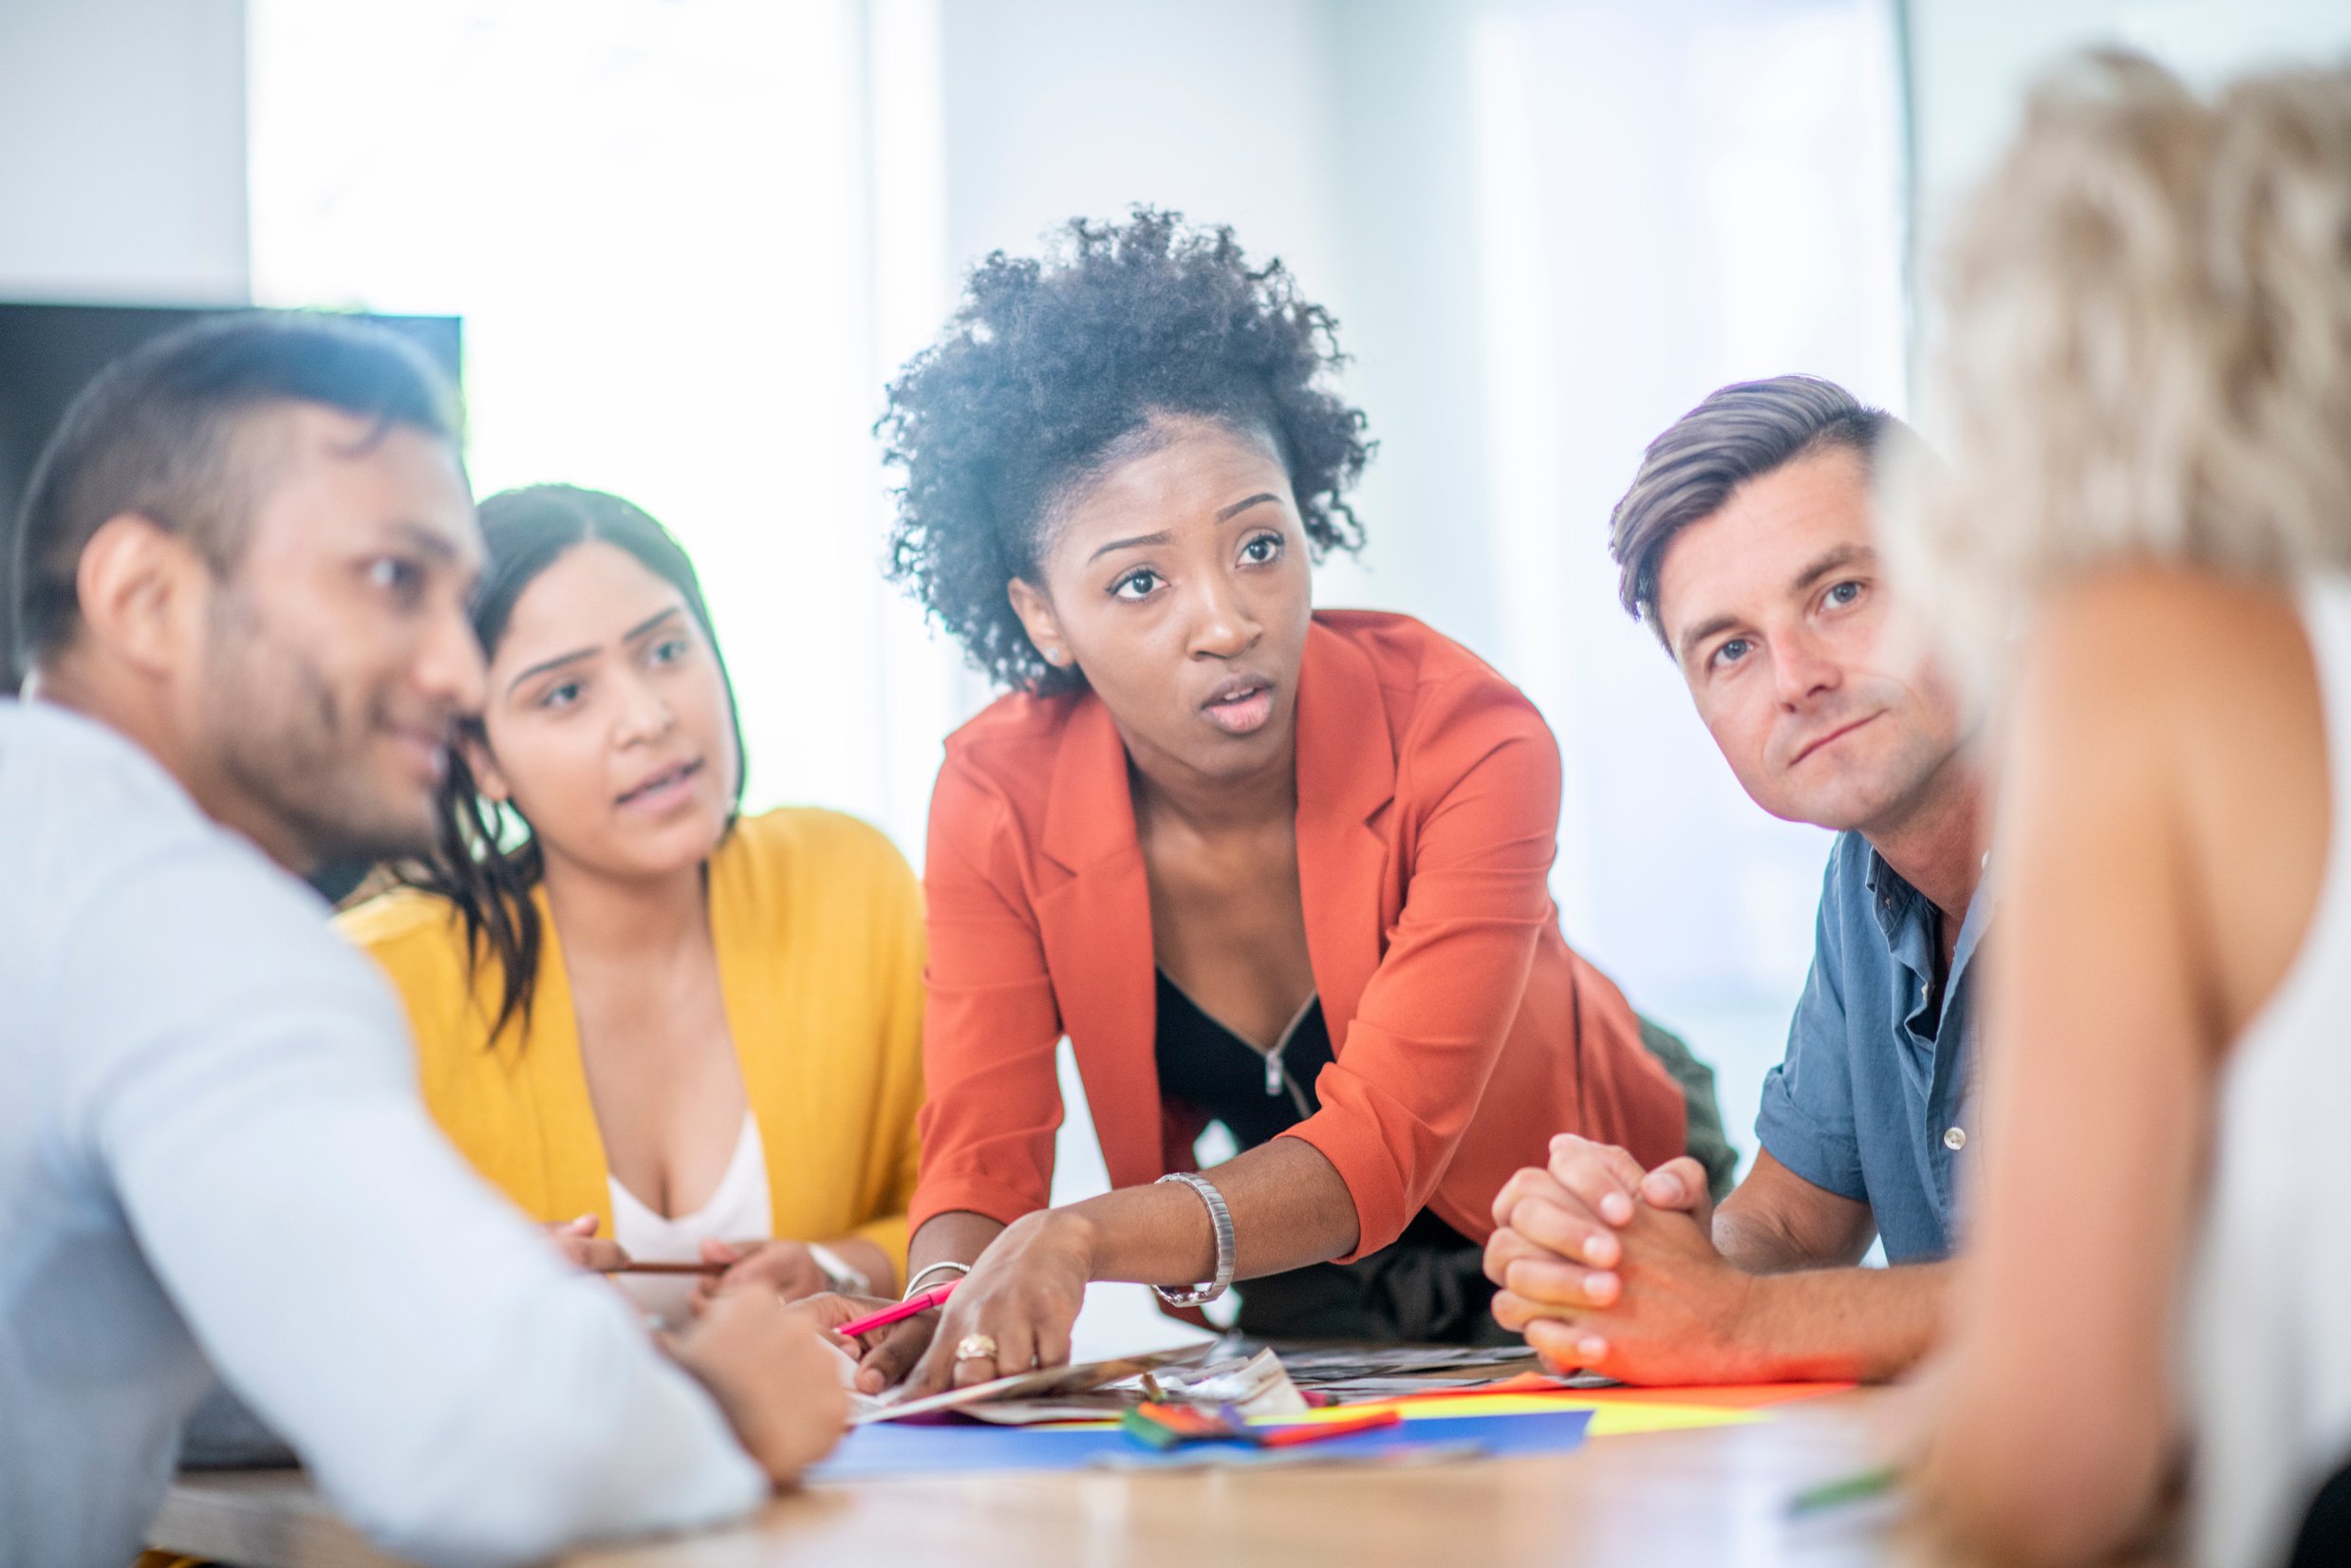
x: 1267, y: 865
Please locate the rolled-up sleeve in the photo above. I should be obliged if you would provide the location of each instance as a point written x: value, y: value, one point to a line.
x: 991, y: 1024
x: 1806, y: 1119
x: 1433, y: 1020
x: 460, y: 1394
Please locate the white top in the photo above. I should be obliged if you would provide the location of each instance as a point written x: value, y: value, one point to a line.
x: 212, y: 1150
x: 738, y: 1210
x: 2268, y: 1376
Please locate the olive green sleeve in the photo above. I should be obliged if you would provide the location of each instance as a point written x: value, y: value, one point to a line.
x: 1705, y: 1142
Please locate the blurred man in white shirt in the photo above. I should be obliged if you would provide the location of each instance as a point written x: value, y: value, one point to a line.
x: 242, y: 572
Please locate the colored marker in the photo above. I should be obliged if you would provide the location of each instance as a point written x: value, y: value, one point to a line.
x: 1858, y: 1487
x: 913, y: 1306
x: 1322, y: 1431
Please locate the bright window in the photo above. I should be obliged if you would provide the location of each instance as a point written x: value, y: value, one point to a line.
x: 681, y: 280
x: 1669, y: 198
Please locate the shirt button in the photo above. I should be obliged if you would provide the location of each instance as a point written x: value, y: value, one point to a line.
x: 1954, y: 1138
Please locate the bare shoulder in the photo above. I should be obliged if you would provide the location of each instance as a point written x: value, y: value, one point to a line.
x: 2183, y: 711
x: 2149, y: 661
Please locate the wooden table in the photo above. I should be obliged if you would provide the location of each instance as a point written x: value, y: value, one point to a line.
x: 1712, y: 1496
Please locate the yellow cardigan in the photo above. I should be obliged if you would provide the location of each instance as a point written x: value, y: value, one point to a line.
x: 819, y: 928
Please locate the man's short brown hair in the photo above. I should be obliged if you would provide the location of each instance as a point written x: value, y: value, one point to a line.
x: 159, y: 433
x: 1741, y: 432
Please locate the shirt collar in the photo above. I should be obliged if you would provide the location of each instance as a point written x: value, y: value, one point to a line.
x: 1897, y: 905
x: 1893, y: 901
x: 1979, y: 916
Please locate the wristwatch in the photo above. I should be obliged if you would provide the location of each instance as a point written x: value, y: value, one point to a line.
x: 844, y: 1280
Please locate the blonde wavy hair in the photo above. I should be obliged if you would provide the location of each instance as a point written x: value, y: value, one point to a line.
x: 2149, y: 347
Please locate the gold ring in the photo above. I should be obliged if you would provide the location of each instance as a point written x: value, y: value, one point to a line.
x: 976, y: 1347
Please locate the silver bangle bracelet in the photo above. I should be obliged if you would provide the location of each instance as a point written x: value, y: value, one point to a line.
x: 915, y: 1284
x: 1221, y: 1218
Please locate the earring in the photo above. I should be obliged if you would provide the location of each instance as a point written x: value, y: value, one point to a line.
x: 1054, y: 657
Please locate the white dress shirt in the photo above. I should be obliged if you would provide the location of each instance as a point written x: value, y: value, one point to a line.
x: 212, y: 1155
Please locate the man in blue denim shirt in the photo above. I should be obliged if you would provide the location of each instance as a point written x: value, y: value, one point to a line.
x: 1747, y: 543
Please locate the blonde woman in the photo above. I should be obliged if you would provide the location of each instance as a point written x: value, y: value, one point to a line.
x: 2151, y: 395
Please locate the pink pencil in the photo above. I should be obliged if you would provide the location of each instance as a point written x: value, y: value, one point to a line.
x: 912, y: 1306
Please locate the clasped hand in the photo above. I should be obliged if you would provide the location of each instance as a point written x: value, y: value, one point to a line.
x: 1609, y: 1267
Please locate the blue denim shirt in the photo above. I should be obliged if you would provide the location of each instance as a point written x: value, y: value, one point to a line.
x: 1872, y: 1100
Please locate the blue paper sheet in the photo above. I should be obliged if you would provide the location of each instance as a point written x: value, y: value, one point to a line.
x: 888, y: 1448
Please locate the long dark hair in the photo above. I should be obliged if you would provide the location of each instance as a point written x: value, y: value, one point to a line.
x: 487, y: 860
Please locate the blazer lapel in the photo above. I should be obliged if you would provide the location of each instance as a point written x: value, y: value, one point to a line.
x: 1095, y: 924
x: 1346, y: 778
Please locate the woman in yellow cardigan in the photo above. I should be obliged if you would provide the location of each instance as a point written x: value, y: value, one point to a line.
x: 637, y: 1013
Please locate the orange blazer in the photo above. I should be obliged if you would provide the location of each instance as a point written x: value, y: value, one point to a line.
x: 1464, y: 1032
